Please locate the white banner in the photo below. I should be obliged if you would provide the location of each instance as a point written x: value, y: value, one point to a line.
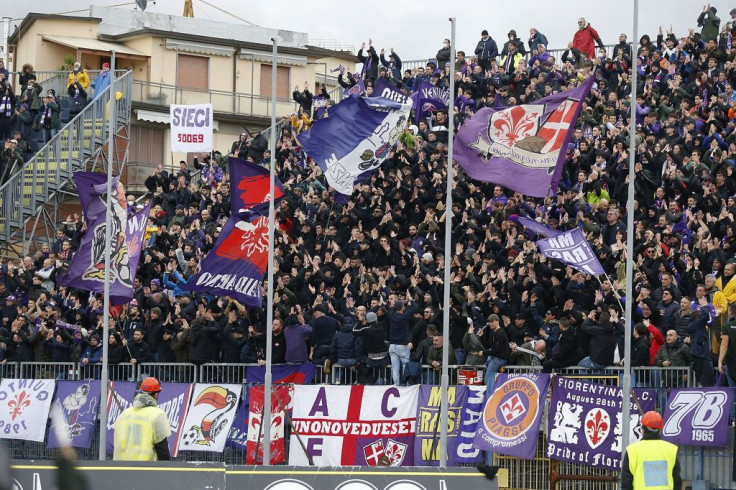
x: 209, y: 417
x: 191, y: 127
x: 24, y: 408
x: 354, y: 425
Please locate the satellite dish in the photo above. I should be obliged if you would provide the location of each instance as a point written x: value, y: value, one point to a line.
x: 142, y: 4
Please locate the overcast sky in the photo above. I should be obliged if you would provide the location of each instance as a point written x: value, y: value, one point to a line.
x: 415, y: 28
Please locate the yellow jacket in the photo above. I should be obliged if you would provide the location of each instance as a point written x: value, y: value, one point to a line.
x: 81, y: 77
x: 139, y: 429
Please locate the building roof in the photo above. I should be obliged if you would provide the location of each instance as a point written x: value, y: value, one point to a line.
x: 95, y: 45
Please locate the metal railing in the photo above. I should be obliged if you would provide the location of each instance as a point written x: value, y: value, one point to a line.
x: 52, y: 167
x: 161, y: 94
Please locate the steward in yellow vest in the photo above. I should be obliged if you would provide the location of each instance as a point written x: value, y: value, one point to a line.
x: 142, y: 431
x: 651, y: 463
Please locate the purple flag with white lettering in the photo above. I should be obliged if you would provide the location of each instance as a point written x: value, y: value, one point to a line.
x: 470, y: 415
x: 236, y: 265
x: 427, y: 441
x: 585, y: 422
x: 698, y: 416
x: 511, y: 415
x: 521, y: 147
x: 134, y: 233
x: 87, y: 267
x: 571, y: 248
x: 388, y: 91
x: 430, y: 98
x: 238, y: 436
x: 174, y: 400
x: 79, y: 402
x: 538, y: 228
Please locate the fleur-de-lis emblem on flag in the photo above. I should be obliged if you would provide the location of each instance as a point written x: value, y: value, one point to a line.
x: 513, y: 125
x: 21, y: 401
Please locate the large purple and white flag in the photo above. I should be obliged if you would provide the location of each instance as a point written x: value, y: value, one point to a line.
x: 87, y: 267
x: 511, y: 416
x: 571, y: 248
x: 173, y: 399
x: 521, y: 147
x: 427, y: 442
x: 355, y: 139
x: 236, y: 265
x: 79, y: 402
x: 538, y: 228
x: 430, y: 98
x: 698, y: 416
x: 585, y: 422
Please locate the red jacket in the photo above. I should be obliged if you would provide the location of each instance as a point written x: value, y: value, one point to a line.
x: 584, y: 41
x: 656, y: 340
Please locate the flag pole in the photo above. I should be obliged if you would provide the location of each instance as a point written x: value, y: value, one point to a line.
x: 266, y: 422
x: 625, y: 409
x: 112, y: 116
x: 444, y: 406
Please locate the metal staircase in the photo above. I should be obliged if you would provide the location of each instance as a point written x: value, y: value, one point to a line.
x: 31, y: 199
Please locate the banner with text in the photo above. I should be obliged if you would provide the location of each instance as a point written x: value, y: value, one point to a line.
x: 79, y: 402
x: 354, y: 425
x: 24, y: 408
x: 470, y: 415
x: 511, y: 416
x: 427, y: 442
x: 698, y: 416
x: 585, y: 422
x: 571, y: 248
x: 192, y: 127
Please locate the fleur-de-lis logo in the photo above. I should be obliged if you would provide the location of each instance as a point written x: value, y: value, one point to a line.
x: 513, y: 125
x: 21, y: 401
x: 513, y: 408
x: 597, y: 427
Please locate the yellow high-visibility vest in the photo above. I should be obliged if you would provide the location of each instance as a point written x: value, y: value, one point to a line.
x: 651, y: 463
x: 137, y: 430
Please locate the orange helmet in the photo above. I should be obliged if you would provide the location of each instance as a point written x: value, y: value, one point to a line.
x: 652, y: 420
x: 151, y: 385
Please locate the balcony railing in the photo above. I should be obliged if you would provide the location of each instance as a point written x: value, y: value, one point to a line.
x: 222, y: 101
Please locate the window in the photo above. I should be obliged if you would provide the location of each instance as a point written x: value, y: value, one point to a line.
x: 282, y: 82
x: 193, y: 72
x: 146, y: 151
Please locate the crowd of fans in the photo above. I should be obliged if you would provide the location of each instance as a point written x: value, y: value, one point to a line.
x: 361, y: 283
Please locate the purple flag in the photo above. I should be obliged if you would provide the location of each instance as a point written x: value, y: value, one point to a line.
x: 388, y: 91
x: 571, y: 248
x: 237, y: 263
x: 79, y: 402
x: 319, y: 105
x: 87, y: 267
x: 538, y: 228
x: 698, y: 416
x: 470, y: 415
x: 585, y: 422
x: 238, y: 436
x: 430, y: 98
x: 521, y: 147
x: 134, y: 233
x: 427, y: 441
x: 299, y: 374
x: 173, y: 399
x: 357, y: 89
x: 511, y: 416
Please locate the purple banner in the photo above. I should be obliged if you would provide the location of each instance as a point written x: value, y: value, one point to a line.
x: 238, y: 436
x: 79, y: 402
x: 173, y: 399
x: 571, y: 248
x: 430, y: 98
x: 388, y: 91
x: 538, y: 228
x: 471, y: 413
x: 319, y: 105
x: 299, y: 374
x: 511, y: 416
x: 427, y: 441
x: 357, y: 89
x: 134, y: 233
x: 585, y: 422
x: 698, y: 416
x: 236, y: 265
x: 521, y: 147
x: 87, y: 267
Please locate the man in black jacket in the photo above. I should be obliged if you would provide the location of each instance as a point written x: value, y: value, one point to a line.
x: 498, y: 351
x: 602, y: 339
x: 567, y: 351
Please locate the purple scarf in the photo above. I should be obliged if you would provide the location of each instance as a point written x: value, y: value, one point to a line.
x: 6, y: 107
